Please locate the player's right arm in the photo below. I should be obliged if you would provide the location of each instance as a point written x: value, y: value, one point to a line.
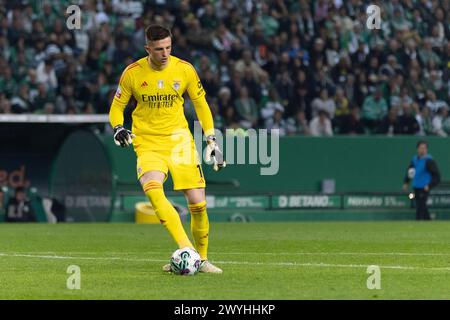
x: 409, y: 175
x: 122, y: 136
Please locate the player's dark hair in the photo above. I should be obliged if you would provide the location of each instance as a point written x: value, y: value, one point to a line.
x: 420, y: 142
x: 156, y: 32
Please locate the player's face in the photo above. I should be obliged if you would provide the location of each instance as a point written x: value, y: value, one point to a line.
x: 422, y: 149
x: 159, y: 50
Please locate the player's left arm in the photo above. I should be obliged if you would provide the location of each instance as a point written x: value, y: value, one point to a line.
x: 434, y: 171
x: 204, y: 115
x: 122, y: 136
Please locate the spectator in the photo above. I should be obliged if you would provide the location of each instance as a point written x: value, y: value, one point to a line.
x: 219, y: 122
x: 285, y: 88
x: 435, y: 83
x: 207, y: 17
x: 427, y: 54
x: 351, y: 123
x: 409, y: 53
x: 247, y: 62
x: 5, y: 106
x: 340, y: 72
x: 391, y: 68
x: 361, y: 89
x: 399, y: 22
x: 48, y: 108
x: 42, y: 97
x: 246, y: 109
x: 324, y: 103
x: 298, y: 125
x: 21, y: 102
x: 46, y: 74
x: 236, y: 83
x: 423, y: 118
x: 388, y: 124
x: 273, y: 104
x: 223, y: 39
x: 8, y: 85
x: 264, y: 87
x: 268, y: 23
x: 224, y: 100
x: 19, y: 208
x: 67, y: 98
x: 320, y: 125
x: 433, y: 103
x: 441, y: 122
x: 295, y: 49
x: 374, y: 109
x: 276, y: 122
x: 231, y: 120
x: 407, y: 123
x: 333, y: 53
x: 253, y: 88
x: 305, y: 22
x: 302, y: 95
x: 416, y: 86
x: 341, y: 102
x: 349, y: 88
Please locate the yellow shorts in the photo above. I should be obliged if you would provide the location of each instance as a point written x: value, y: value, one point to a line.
x: 182, y: 163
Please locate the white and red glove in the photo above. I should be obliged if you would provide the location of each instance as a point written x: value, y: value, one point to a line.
x: 213, y: 152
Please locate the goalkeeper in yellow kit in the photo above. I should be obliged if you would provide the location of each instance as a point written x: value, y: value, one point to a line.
x: 161, y: 137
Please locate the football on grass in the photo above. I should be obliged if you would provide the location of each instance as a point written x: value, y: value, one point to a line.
x: 185, y: 261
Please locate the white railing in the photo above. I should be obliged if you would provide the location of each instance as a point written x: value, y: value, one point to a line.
x: 54, y: 118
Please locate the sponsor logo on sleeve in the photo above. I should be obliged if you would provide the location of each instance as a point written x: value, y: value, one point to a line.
x: 118, y: 92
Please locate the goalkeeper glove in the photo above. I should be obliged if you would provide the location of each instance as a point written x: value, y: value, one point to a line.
x: 213, y: 151
x: 122, y: 136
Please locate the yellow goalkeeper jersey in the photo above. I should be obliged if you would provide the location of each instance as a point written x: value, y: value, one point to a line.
x: 158, y: 120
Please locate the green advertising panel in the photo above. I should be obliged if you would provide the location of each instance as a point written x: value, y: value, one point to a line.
x: 247, y: 202
x: 439, y: 201
x: 376, y: 201
x: 214, y: 202
x: 306, y: 201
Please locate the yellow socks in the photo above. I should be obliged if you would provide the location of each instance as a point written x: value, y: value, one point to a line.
x: 200, y: 227
x: 170, y: 219
x: 166, y: 213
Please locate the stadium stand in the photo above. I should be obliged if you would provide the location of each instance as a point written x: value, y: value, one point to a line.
x: 271, y: 64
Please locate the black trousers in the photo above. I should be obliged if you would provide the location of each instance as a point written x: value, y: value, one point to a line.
x: 421, y: 197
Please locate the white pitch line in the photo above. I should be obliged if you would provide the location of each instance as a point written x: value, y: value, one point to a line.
x: 21, y: 255
x: 338, y: 253
x: 431, y: 254
x: 292, y: 264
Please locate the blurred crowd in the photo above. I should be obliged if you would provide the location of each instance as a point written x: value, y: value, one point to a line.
x: 303, y: 67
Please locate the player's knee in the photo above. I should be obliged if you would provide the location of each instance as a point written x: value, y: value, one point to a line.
x: 198, y: 208
x: 154, y: 190
x: 151, y: 175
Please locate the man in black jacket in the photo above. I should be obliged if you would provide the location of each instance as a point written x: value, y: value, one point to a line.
x: 406, y: 123
x: 424, y: 173
x: 19, y: 208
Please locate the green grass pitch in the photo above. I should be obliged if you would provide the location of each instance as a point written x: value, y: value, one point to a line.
x: 315, y: 260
